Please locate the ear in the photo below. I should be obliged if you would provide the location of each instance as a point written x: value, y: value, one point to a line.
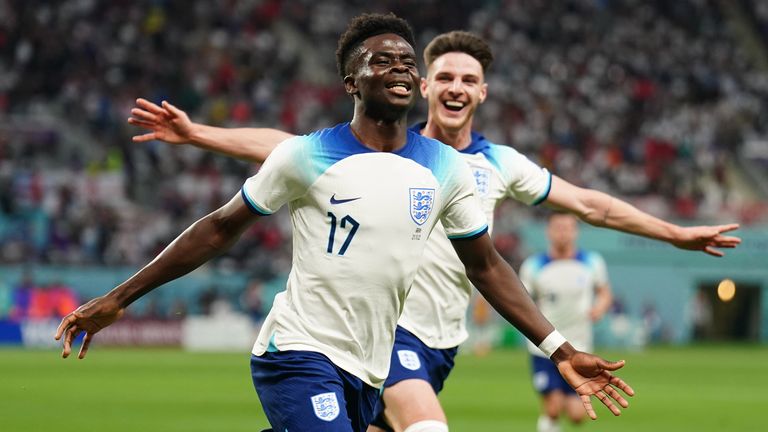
x: 423, y: 87
x: 483, y: 92
x: 350, y: 85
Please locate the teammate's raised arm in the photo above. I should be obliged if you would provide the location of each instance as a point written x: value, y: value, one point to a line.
x: 172, y: 125
x: 588, y: 374
x: 600, y: 209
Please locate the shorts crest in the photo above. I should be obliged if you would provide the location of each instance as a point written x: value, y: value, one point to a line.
x: 422, y: 201
x: 326, y: 406
x: 409, y: 359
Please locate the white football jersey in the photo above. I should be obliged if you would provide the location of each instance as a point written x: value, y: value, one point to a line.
x: 437, y: 305
x: 361, y: 220
x: 564, y: 290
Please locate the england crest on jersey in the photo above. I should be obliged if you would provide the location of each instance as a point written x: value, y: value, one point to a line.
x: 409, y: 359
x: 422, y: 201
x: 482, y: 180
x: 326, y: 406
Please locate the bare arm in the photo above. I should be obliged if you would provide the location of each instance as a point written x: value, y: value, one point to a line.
x: 498, y: 283
x: 172, y: 125
x: 603, y: 300
x: 602, y: 210
x: 205, y: 239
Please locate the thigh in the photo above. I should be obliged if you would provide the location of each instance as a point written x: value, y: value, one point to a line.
x: 410, y: 401
x: 416, y: 375
x: 301, y: 390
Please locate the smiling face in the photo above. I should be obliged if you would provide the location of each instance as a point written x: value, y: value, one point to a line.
x: 454, y: 87
x: 384, y: 77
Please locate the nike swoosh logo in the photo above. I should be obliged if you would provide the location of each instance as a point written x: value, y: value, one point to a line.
x: 335, y: 201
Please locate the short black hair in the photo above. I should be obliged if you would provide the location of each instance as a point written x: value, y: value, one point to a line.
x: 365, y: 26
x: 459, y: 41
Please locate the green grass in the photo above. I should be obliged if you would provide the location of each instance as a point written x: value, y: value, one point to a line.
x: 708, y: 388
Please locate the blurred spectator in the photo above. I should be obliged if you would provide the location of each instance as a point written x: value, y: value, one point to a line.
x: 252, y: 300
x: 51, y: 301
x: 647, y: 100
x: 22, y: 297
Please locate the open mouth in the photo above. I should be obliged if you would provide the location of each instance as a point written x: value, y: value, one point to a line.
x: 453, y: 105
x: 400, y: 87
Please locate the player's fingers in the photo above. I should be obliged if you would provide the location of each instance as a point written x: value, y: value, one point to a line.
x: 728, y: 227
x: 587, y: 402
x: 69, y: 336
x: 65, y: 323
x: 712, y: 251
x: 727, y: 241
x: 142, y: 123
x: 608, y: 402
x: 86, y: 344
x: 149, y: 106
x: 144, y: 138
x: 172, y: 109
x: 610, y: 391
x: 145, y: 115
x: 610, y: 365
x: 621, y: 385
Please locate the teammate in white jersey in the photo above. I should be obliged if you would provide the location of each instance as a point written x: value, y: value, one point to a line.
x: 435, y: 311
x: 363, y: 197
x: 571, y: 288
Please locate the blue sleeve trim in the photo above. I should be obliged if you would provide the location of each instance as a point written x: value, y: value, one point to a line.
x: 543, y: 198
x: 252, y: 205
x: 470, y: 236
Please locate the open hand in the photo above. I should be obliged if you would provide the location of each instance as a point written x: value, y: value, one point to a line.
x: 167, y: 123
x: 89, y: 318
x: 591, y: 375
x: 707, y: 238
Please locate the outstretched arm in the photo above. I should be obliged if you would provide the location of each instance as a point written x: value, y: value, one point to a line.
x: 600, y: 209
x: 497, y: 282
x: 172, y: 125
x: 205, y: 239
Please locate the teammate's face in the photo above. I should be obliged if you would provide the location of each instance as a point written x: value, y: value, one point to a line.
x: 385, y: 76
x: 454, y: 87
x: 562, y: 231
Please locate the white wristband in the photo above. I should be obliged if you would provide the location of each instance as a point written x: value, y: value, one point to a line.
x: 551, y: 343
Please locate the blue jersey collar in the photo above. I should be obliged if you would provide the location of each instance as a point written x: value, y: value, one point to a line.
x: 477, y: 145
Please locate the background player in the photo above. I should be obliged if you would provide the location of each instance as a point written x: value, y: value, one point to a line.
x: 571, y: 288
x: 324, y: 349
x: 433, y: 320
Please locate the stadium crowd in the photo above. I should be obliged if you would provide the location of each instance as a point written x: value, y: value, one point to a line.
x: 647, y: 100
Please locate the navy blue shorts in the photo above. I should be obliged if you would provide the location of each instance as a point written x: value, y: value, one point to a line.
x: 411, y: 359
x: 546, y: 377
x: 305, y: 391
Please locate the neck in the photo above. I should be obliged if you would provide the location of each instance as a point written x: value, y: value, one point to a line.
x: 379, y: 134
x: 458, y: 139
x: 564, y: 252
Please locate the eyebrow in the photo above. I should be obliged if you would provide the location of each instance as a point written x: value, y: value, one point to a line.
x: 391, y: 54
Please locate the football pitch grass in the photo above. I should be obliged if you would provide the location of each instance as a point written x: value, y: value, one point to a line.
x: 699, y: 388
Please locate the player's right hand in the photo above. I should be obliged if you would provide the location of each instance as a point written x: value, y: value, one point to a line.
x: 591, y: 375
x: 167, y: 123
x: 89, y: 318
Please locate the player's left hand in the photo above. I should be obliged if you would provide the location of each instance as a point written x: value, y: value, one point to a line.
x: 591, y: 375
x: 706, y: 238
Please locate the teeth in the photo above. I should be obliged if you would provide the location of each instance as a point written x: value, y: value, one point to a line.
x: 454, y: 104
x: 403, y: 85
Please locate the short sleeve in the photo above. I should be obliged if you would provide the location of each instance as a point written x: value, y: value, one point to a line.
x: 597, y: 264
x: 524, y: 180
x: 462, y: 216
x: 279, y: 180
